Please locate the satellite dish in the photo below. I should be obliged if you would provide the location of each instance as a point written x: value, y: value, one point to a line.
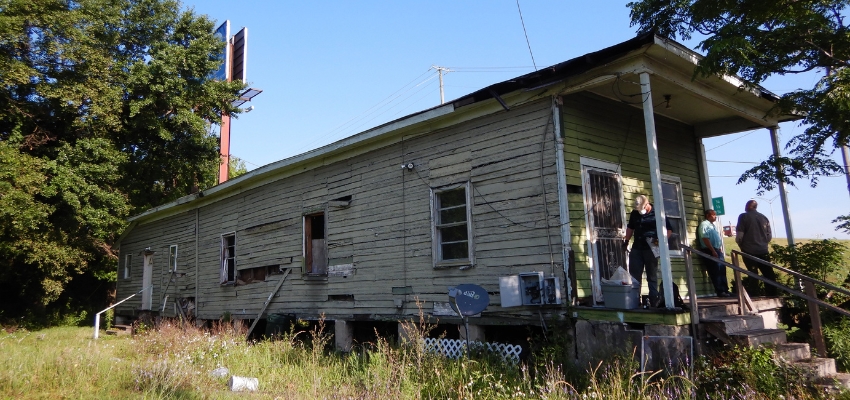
x: 469, y: 299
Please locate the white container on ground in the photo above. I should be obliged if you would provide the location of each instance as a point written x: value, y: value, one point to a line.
x: 241, y: 383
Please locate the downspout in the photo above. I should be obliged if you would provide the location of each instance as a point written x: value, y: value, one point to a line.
x: 563, y: 205
x: 655, y: 178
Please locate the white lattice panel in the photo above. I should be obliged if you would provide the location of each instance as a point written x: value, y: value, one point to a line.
x: 453, y: 348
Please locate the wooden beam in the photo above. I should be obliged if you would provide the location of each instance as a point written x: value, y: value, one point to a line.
x: 267, y: 302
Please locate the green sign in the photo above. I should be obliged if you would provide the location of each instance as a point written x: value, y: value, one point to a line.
x: 717, y: 204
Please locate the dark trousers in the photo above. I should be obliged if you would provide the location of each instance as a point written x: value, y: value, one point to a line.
x: 639, y: 260
x: 716, y: 274
x: 751, y: 284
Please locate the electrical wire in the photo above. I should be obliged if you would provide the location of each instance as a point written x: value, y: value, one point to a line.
x: 733, y: 162
x: 526, y: 35
x: 737, y: 138
x: 346, y: 126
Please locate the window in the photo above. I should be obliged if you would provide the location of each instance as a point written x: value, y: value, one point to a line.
x: 128, y: 259
x: 172, y: 258
x: 451, y: 228
x: 315, y: 245
x: 671, y: 193
x: 228, y: 258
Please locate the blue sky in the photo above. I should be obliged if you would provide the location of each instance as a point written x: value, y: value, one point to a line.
x: 330, y: 69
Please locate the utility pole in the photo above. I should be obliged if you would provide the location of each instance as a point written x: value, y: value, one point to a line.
x: 783, y: 196
x: 845, y: 153
x: 441, y: 70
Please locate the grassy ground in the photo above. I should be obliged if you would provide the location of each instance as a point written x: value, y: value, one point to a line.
x: 173, y: 362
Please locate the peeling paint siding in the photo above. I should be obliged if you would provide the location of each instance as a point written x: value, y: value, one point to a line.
x: 385, y: 231
x: 606, y: 130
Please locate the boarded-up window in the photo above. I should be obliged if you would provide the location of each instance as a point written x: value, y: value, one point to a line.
x: 451, y: 228
x: 228, y: 258
x: 315, y: 245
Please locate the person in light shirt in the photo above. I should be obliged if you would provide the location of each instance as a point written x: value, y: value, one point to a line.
x: 711, y: 243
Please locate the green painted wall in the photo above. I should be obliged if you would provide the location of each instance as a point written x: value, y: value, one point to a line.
x: 600, y: 128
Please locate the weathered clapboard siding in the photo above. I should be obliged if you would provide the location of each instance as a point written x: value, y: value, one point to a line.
x: 180, y: 231
x: 602, y: 129
x: 384, y: 231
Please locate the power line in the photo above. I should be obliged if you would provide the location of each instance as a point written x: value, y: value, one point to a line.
x: 526, y: 35
x: 733, y: 162
x: 737, y: 138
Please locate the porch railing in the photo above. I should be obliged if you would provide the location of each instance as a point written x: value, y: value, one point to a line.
x: 745, y: 302
x: 97, y: 316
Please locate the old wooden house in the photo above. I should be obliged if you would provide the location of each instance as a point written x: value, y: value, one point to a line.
x: 531, y: 178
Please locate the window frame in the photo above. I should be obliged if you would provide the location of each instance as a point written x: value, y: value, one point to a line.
x: 227, y: 269
x: 683, y: 221
x: 307, y: 245
x: 172, y: 258
x: 436, y: 235
x: 128, y: 260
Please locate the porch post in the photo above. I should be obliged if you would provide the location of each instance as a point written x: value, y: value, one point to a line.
x: 655, y: 178
x: 774, y: 140
x: 563, y: 204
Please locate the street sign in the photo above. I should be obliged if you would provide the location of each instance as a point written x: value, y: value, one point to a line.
x: 717, y: 204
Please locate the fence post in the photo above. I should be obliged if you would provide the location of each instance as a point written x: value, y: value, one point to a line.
x: 814, y: 314
x: 739, y: 287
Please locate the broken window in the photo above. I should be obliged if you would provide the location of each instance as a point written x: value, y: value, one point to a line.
x: 172, y: 258
x: 451, y: 227
x: 315, y: 245
x: 228, y: 258
x: 127, y: 260
x: 257, y: 274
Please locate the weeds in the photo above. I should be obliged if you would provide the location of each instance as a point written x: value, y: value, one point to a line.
x: 172, y: 360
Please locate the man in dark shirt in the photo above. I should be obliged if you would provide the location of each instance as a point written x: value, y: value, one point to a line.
x: 753, y: 236
x: 642, y: 227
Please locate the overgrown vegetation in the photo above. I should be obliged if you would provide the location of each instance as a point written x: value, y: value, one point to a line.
x: 176, y: 361
x: 105, y: 109
x: 823, y: 260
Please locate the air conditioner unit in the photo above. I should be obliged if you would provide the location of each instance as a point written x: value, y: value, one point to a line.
x: 529, y: 289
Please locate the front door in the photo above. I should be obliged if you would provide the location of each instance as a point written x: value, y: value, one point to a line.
x: 147, y: 277
x: 605, y: 217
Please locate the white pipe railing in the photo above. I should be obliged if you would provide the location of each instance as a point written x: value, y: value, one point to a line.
x: 97, y: 316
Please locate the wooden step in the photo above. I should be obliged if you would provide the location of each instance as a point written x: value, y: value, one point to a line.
x: 758, y: 337
x: 816, y: 367
x: 734, y: 323
x: 790, y: 352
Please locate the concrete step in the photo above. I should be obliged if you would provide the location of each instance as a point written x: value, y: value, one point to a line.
x: 790, y: 352
x: 758, y: 337
x: 735, y: 323
x: 816, y: 367
x: 718, y: 310
x: 834, y: 382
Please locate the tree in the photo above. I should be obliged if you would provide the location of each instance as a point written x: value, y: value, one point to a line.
x: 236, y: 167
x: 104, y: 111
x: 756, y: 39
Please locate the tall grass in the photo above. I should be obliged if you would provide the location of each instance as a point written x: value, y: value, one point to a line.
x: 176, y: 361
